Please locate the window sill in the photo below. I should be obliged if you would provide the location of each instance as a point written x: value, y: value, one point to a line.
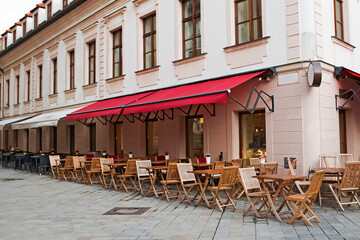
x: 252, y: 43
x: 190, y: 59
x: 70, y: 90
x: 342, y: 43
x: 38, y: 99
x: 53, y: 95
x: 16, y: 105
x: 93, y: 85
x: 114, y: 79
x: 27, y: 102
x: 148, y: 70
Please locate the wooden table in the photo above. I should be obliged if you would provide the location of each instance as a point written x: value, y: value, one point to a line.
x: 331, y: 172
x: 203, y: 185
x: 282, y: 180
x: 153, y: 175
x: 113, y: 167
x: 199, y: 165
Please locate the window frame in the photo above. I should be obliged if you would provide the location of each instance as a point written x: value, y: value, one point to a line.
x: 114, y: 47
x: 342, y: 19
x: 250, y: 21
x: 40, y: 69
x: 8, y: 92
x: 17, y: 89
x: 28, y: 84
x: 24, y: 28
x: 55, y: 65
x: 36, y: 20
x: 90, y: 44
x: 65, y: 3
x: 150, y: 34
x: 193, y: 19
x: 14, y: 35
x: 71, y: 69
x: 5, y: 40
x: 49, y: 10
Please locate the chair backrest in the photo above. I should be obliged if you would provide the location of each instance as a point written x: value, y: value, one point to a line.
x: 171, y: 161
x: 192, y: 159
x: 142, y: 163
x: 95, y: 165
x: 315, y: 185
x: 89, y: 156
x: 228, y: 176
x: 351, y: 178
x: 184, y: 175
x: 237, y: 162
x: 103, y: 162
x: 246, y: 175
x: 328, y: 161
x: 254, y: 161
x: 113, y: 157
x: 131, y: 167
x: 201, y: 159
x: 77, y: 162
x: 172, y: 172
x: 52, y: 161
x: 44, y: 160
x: 219, y: 164
x: 160, y: 158
x: 344, y: 158
x: 292, y: 165
x: 268, y: 168
x: 69, y: 162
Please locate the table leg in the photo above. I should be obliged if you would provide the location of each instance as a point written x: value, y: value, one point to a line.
x: 112, y: 182
x: 291, y: 186
x: 203, y: 189
x: 271, y: 201
x: 152, y: 181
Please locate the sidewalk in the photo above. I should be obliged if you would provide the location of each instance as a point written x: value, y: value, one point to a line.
x: 38, y: 207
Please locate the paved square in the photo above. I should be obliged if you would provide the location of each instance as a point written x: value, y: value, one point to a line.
x: 38, y: 207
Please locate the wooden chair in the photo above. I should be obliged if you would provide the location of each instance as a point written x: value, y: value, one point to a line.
x: 89, y: 157
x: 253, y: 189
x: 269, y: 168
x: 68, y: 169
x: 160, y: 158
x: 172, y: 178
x: 217, y: 165
x: 344, y: 158
x: 226, y: 184
x: 239, y: 187
x: 188, y: 181
x: 300, y: 201
x: 237, y: 162
x: 328, y: 161
x: 105, y: 170
x: 94, y: 171
x: 255, y: 162
x: 172, y: 161
x: 192, y: 159
x: 130, y: 173
x: 142, y: 174
x: 78, y: 168
x: 350, y: 184
x: 54, y: 165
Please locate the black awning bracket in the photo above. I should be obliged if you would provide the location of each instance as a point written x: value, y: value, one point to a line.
x: 259, y: 96
x: 354, y: 95
x: 197, y: 110
x: 168, y: 116
x: 130, y: 120
x: 213, y: 110
x: 99, y: 119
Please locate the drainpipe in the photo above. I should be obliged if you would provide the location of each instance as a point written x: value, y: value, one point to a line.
x: 2, y: 92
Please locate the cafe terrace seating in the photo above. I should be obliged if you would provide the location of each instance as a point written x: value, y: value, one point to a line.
x: 129, y: 174
x: 350, y: 185
x: 142, y: 174
x: 67, y: 170
x: 105, y: 170
x: 172, y: 178
x: 188, y: 181
x: 94, y: 172
x: 54, y: 165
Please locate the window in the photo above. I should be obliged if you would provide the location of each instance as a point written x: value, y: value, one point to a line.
x: 92, y: 137
x: 8, y: 92
x: 91, y: 62
x: 49, y: 9
x: 248, y: 25
x: 65, y: 3
x: 27, y: 139
x: 195, y: 136
x: 14, y: 36
x: 117, y: 53
x: 5, y: 42
x: 16, y: 138
x: 191, y: 22
x: 36, y: 18
x: 24, y: 28
x: 17, y: 89
x: 28, y: 85
x: 152, y: 139
x: 119, y: 139
x: 40, y: 82
x: 71, y: 139
x: 53, y: 143
x: 342, y: 132
x: 39, y: 139
x: 339, y: 23
x: 54, y: 75
x: 72, y: 68
x: 252, y: 135
x: 149, y: 41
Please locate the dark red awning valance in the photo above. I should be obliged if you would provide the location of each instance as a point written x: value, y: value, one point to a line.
x: 342, y: 72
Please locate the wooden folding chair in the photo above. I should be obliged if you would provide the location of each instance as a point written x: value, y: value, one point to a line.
x: 226, y: 184
x: 344, y: 158
x: 172, y: 178
x: 253, y: 189
x: 217, y: 165
x: 77, y: 168
x: 269, y: 168
x: 299, y: 201
x: 54, y: 165
x: 172, y: 161
x: 350, y: 184
x: 68, y: 169
x: 130, y: 173
x: 255, y: 162
x: 94, y: 171
x: 239, y: 187
x: 328, y: 161
x: 237, y: 162
x: 142, y: 174
x: 105, y: 170
x: 188, y: 181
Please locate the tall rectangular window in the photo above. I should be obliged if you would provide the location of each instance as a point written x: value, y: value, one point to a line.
x: 5, y: 42
x: 40, y: 81
x: 152, y: 138
x: 149, y: 41
x: 49, y: 10
x: 71, y: 139
x: 17, y: 89
x: 339, y: 22
x: 53, y: 141
x: 36, y: 19
x: 8, y: 92
x: 28, y: 85
x: 24, y: 28
x: 248, y: 20
x: 117, y: 53
x: 195, y: 136
x: 72, y: 68
x: 16, y: 138
x: 92, y: 58
x: 65, y: 3
x: 92, y: 137
x: 342, y: 131
x: 39, y: 139
x: 54, y: 75
x: 191, y: 26
x: 14, y: 36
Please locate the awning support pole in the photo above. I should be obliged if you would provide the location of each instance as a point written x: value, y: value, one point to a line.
x: 354, y: 94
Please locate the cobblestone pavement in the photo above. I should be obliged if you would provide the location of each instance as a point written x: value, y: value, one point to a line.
x: 37, y: 207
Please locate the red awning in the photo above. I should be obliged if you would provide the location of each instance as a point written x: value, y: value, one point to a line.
x: 210, y: 91
x: 342, y: 72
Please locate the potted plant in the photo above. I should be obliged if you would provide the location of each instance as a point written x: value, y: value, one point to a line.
x: 104, y: 153
x: 167, y: 156
x: 130, y: 155
x: 52, y: 151
x: 208, y: 158
x: 76, y: 152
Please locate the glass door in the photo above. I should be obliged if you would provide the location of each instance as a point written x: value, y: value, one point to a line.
x: 152, y: 138
x: 195, y: 136
x: 342, y: 129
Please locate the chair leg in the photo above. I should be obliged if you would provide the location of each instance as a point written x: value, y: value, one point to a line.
x: 336, y: 197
